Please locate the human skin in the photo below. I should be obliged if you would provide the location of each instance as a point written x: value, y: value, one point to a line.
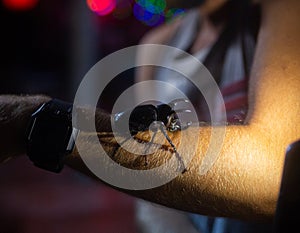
x: 244, y: 181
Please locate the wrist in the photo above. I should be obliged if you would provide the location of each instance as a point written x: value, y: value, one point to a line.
x: 50, y: 135
x: 15, y: 112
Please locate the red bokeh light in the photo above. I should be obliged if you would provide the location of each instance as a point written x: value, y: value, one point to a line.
x: 102, y: 7
x: 20, y: 5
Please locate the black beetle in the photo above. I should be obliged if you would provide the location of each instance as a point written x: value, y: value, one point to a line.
x: 143, y: 116
x: 160, y: 117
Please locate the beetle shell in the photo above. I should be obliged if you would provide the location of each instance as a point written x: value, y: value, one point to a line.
x: 141, y: 118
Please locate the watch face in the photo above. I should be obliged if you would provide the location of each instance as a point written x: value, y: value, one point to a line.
x: 49, y: 137
x: 50, y: 134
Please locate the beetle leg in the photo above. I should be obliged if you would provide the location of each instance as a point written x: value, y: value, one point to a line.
x: 120, y: 145
x: 174, y: 123
x: 183, y: 111
x: 148, y: 147
x: 173, y: 103
x: 162, y: 129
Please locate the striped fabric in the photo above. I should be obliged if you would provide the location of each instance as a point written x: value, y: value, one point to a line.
x: 236, y: 100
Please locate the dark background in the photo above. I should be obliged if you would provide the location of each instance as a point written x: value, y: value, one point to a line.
x: 48, y: 49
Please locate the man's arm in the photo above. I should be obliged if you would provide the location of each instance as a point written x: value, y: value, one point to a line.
x: 15, y: 113
x: 244, y: 181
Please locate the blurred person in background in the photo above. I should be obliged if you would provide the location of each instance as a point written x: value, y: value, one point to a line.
x: 222, y: 35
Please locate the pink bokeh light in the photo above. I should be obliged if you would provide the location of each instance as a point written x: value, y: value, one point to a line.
x: 102, y: 7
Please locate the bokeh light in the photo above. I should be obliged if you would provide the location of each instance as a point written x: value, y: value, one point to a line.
x: 147, y: 17
x: 149, y: 12
x: 153, y: 6
x: 102, y: 7
x: 154, y: 12
x: 20, y: 5
x: 172, y: 13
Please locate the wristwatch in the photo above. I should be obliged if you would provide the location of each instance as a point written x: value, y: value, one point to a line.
x: 50, y: 136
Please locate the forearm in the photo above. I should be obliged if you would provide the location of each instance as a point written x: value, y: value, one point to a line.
x: 243, y: 182
x: 15, y: 113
